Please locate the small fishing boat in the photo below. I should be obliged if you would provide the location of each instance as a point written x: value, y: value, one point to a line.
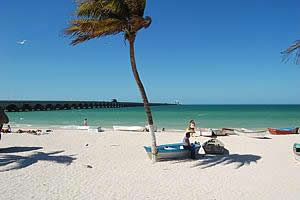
x: 83, y: 127
x: 296, y: 149
x: 228, y: 131
x: 219, y: 132
x: 209, y: 132
x: 283, y: 131
x: 251, y: 133
x: 129, y: 128
x: 214, y: 146
x: 172, y: 151
x: 206, y: 132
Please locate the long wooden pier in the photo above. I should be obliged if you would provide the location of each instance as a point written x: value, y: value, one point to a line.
x: 25, y: 106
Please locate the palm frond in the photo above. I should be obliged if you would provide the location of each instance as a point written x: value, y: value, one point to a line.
x: 136, y: 7
x: 102, y: 9
x: 293, y: 50
x: 86, y: 29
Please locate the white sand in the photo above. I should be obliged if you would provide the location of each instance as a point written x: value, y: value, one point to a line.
x: 255, y: 168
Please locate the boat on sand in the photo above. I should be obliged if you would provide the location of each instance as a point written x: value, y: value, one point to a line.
x: 283, y: 131
x: 296, y: 149
x: 228, y: 131
x: 209, y: 132
x: 129, y: 128
x: 251, y: 133
x: 214, y: 146
x: 83, y: 127
x: 172, y: 151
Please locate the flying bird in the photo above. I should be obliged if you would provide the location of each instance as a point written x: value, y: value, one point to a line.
x: 22, y: 42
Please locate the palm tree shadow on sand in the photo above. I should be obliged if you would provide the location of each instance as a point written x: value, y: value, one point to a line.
x: 226, y: 159
x: 18, y: 149
x: 19, y: 162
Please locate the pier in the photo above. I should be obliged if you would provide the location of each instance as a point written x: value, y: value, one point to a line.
x: 26, y: 106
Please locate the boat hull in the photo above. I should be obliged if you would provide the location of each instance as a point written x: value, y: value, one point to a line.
x: 214, y: 146
x: 228, y: 131
x: 251, y: 133
x: 129, y: 128
x: 171, y: 151
x: 208, y: 132
x: 83, y: 127
x: 296, y: 150
x: 287, y: 131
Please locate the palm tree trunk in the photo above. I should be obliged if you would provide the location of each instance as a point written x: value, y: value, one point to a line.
x: 144, y: 96
x: 1, y: 125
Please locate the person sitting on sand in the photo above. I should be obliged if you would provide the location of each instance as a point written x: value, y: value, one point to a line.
x: 188, y: 145
x: 191, y: 128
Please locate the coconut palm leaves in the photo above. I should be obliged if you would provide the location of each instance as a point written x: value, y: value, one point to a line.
x: 98, y: 18
x: 83, y: 30
x: 294, y: 49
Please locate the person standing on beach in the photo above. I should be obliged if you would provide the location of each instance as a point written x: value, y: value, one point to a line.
x: 85, y: 122
x: 191, y: 128
x: 3, y: 120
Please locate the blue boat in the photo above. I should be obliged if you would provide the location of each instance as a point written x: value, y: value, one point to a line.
x: 296, y: 149
x: 172, y: 151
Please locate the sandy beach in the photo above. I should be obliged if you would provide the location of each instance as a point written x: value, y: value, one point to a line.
x: 72, y: 164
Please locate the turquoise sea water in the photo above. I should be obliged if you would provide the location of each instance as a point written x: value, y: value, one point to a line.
x: 173, y: 117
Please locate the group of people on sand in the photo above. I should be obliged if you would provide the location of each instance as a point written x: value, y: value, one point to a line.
x: 34, y: 132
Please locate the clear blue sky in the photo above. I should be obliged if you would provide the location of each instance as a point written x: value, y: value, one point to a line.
x: 206, y: 52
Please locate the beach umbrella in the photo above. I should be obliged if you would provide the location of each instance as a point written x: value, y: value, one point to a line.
x: 3, y: 117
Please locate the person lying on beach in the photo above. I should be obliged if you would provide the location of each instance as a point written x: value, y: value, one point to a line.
x: 8, y: 130
x: 34, y: 132
x: 191, y: 127
x: 20, y: 131
x: 187, y: 145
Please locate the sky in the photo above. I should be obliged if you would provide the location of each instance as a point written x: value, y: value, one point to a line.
x: 196, y: 52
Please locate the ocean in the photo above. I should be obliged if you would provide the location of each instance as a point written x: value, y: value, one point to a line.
x: 169, y: 117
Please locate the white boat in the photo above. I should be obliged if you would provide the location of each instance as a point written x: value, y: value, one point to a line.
x: 172, y: 151
x: 296, y: 149
x: 228, y: 131
x: 219, y: 132
x: 83, y: 127
x: 251, y: 133
x: 207, y: 132
x: 95, y: 130
x: 129, y: 128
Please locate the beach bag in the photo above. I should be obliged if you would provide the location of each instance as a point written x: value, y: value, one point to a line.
x: 214, y: 146
x: 3, y: 117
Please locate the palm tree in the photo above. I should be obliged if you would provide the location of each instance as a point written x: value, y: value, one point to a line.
x: 99, y: 18
x: 293, y: 49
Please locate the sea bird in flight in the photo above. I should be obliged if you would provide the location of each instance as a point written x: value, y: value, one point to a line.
x: 22, y: 42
